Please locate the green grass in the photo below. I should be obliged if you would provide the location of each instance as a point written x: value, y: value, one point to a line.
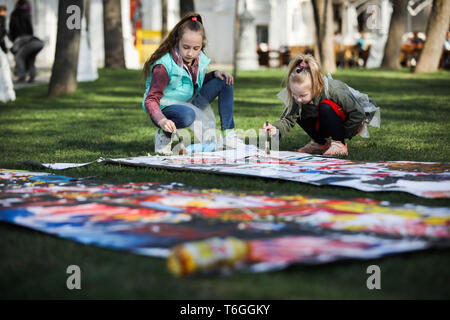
x: 104, y: 118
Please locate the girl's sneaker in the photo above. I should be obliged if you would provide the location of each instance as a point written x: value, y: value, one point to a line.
x: 163, y: 145
x: 231, y: 140
x: 314, y: 148
x: 337, y: 148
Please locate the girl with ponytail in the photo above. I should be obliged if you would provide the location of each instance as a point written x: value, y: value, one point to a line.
x: 322, y: 107
x: 175, y: 75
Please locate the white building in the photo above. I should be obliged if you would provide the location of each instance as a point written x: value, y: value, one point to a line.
x: 277, y: 23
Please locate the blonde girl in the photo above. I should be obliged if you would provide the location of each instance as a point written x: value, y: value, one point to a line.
x: 323, y: 114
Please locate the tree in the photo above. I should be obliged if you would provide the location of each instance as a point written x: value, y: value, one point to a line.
x: 87, y: 7
x: 323, y: 18
x: 235, y: 37
x: 164, y: 18
x: 391, y: 59
x: 112, y: 31
x: 436, y: 30
x: 186, y: 6
x: 65, y: 66
x: 87, y: 12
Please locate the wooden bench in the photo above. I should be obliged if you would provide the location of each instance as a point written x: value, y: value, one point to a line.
x: 296, y: 50
x: 409, y: 51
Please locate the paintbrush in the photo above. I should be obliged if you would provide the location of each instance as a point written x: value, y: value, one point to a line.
x: 182, y: 147
x: 267, y: 139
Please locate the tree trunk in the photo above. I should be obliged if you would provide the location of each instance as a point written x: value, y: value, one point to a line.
x: 87, y: 11
x: 391, y: 59
x: 112, y: 30
x: 164, y: 18
x: 436, y: 31
x: 65, y: 66
x: 186, y: 6
x: 323, y: 18
x: 235, y: 37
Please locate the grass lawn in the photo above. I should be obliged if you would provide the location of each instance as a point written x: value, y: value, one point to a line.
x: 104, y: 118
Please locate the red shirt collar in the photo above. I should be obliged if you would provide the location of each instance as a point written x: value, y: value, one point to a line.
x: 193, y: 69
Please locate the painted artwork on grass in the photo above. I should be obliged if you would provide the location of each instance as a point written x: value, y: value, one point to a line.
x: 423, y: 179
x: 206, y: 229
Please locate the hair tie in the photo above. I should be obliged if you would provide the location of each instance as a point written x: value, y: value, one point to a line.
x: 302, y: 66
x: 194, y: 18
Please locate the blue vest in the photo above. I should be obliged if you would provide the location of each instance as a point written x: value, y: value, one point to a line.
x: 180, y: 87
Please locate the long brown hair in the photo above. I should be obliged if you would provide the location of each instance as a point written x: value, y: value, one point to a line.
x: 312, y: 70
x: 192, y: 21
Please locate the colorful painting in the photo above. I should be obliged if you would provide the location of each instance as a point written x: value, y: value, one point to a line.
x: 270, y: 231
x: 423, y: 179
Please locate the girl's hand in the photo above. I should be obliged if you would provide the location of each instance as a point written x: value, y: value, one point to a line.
x: 167, y: 125
x: 273, y: 129
x: 221, y: 75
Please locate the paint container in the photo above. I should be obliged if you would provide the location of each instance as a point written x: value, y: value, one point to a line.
x: 207, y: 254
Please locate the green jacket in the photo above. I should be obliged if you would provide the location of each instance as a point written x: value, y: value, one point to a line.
x: 339, y: 93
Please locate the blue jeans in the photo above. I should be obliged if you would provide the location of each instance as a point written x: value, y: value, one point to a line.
x: 183, y: 116
x: 25, y: 58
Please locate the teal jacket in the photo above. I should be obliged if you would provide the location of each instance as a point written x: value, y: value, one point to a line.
x: 180, y: 87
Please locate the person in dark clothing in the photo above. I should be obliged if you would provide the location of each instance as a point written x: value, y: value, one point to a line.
x: 25, y: 50
x: 20, y: 21
x: 3, y: 32
x: 25, y: 45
